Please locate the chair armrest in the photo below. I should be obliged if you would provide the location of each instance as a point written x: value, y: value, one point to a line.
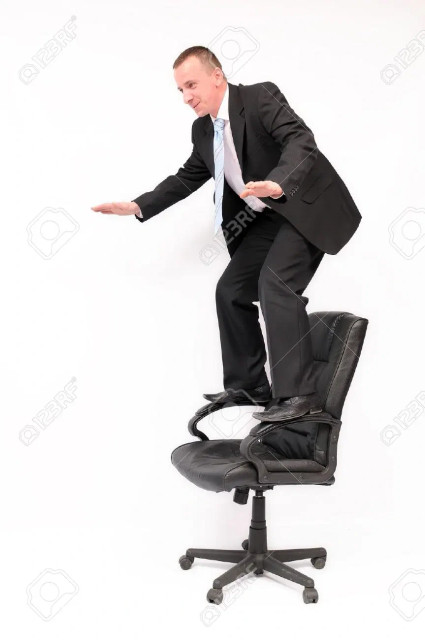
x: 201, y: 413
x: 264, y: 428
x: 209, y: 408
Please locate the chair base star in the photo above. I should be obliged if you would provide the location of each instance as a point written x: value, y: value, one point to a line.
x: 255, y: 558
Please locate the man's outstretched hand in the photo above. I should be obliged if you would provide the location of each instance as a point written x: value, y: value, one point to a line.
x: 262, y: 189
x: 119, y: 208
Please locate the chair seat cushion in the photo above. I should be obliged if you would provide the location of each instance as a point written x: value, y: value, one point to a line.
x: 217, y: 465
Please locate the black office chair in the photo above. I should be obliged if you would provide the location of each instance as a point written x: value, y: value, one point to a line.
x: 299, y: 451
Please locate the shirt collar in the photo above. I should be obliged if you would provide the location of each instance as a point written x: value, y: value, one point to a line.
x: 223, y: 111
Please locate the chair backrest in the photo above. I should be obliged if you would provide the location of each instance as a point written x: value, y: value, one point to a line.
x: 337, y: 338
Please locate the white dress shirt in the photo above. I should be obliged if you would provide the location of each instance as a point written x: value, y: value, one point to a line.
x: 232, y: 169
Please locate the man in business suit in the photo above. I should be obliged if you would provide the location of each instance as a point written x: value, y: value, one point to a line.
x: 281, y: 206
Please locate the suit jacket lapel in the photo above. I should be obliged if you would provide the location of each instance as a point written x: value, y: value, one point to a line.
x: 237, y: 121
x: 237, y: 125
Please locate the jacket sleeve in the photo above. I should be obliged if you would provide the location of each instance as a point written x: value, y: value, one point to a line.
x: 298, y: 146
x: 192, y: 175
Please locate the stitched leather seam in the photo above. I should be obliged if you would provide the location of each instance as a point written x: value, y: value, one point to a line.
x: 339, y: 361
x: 237, y: 465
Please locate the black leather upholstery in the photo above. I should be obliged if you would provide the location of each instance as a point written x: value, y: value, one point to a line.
x: 337, y: 342
x: 218, y: 465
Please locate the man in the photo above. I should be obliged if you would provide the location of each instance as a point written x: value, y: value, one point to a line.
x: 263, y: 155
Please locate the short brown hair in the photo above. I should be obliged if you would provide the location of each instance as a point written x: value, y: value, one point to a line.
x: 205, y: 55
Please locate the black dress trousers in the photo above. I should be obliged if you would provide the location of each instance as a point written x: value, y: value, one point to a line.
x: 271, y: 262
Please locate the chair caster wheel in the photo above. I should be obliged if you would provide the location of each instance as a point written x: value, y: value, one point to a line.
x: 245, y: 545
x: 310, y: 595
x: 185, y: 562
x: 318, y: 563
x: 215, y: 596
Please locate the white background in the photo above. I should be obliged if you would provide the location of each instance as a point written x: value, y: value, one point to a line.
x: 128, y: 311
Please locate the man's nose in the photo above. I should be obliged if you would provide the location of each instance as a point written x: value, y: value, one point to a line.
x: 187, y: 98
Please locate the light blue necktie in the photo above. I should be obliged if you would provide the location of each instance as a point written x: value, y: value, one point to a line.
x: 218, y: 170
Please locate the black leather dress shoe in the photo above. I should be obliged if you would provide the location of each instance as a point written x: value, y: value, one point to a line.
x: 290, y: 408
x: 259, y: 394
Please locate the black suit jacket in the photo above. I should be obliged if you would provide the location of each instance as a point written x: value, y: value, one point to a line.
x: 272, y: 143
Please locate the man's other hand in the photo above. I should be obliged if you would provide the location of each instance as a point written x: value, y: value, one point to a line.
x: 119, y: 208
x: 262, y: 189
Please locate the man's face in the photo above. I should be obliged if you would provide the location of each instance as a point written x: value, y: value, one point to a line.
x: 201, y: 91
